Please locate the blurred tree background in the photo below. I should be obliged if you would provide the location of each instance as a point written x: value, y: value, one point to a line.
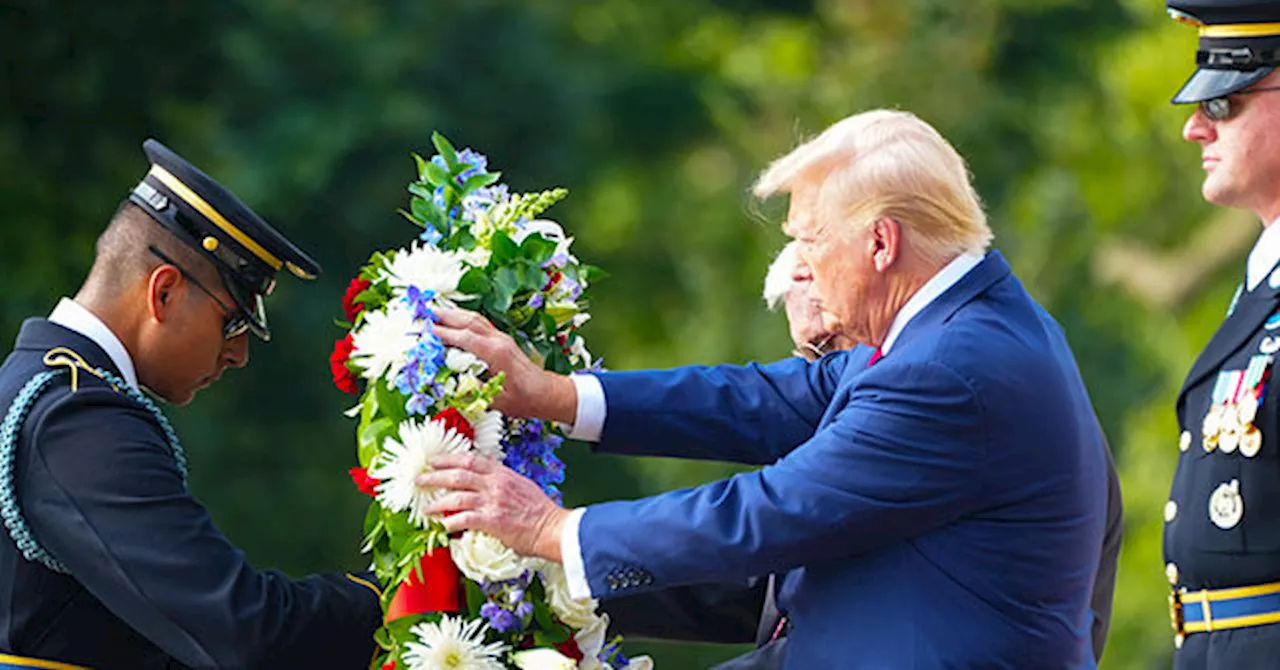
x: 656, y: 114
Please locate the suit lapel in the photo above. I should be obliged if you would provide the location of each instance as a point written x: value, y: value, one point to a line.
x: 1251, y: 310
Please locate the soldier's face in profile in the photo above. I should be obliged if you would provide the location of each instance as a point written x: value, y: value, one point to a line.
x: 196, y: 350
x: 1241, y: 153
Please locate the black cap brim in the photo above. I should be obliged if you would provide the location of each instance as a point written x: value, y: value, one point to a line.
x: 1207, y: 84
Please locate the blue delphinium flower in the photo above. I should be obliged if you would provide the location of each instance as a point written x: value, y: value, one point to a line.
x: 431, y: 236
x: 420, y: 302
x: 535, y: 300
x: 531, y: 451
x: 417, y: 379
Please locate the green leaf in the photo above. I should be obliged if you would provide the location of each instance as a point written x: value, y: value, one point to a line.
x: 371, y: 438
x: 421, y: 210
x: 530, y: 275
x: 538, y: 249
x: 445, y: 149
x: 505, y: 285
x: 504, y: 250
x: 475, y: 597
x: 463, y: 239
x: 436, y: 175
x: 480, y: 181
x: 422, y: 190
x: 391, y: 401
x: 474, y: 282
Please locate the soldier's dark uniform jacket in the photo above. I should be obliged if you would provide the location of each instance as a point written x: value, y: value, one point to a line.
x: 132, y: 573
x: 1222, y: 531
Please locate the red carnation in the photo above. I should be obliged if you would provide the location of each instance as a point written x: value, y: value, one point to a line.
x: 350, y: 307
x: 343, y: 378
x: 570, y: 649
x: 452, y: 418
x: 363, y: 481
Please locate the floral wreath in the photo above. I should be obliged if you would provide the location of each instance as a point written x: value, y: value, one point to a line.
x: 465, y: 601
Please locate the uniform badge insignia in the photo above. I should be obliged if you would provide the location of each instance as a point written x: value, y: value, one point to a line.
x: 1226, y: 507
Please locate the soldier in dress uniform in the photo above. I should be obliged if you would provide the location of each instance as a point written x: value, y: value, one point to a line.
x: 1222, y: 532
x: 106, y: 559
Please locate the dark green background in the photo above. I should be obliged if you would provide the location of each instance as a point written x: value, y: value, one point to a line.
x: 656, y: 114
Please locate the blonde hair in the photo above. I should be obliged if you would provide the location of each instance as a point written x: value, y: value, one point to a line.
x: 887, y: 164
x: 778, y: 281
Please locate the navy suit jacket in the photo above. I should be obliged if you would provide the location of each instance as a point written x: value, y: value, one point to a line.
x: 152, y: 582
x: 944, y: 508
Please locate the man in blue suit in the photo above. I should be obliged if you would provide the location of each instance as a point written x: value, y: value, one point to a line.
x: 944, y: 508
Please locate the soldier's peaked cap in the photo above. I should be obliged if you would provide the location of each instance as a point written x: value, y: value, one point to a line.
x: 1239, y: 44
x: 202, y: 213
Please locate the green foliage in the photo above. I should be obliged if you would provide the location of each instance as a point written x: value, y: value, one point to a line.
x: 656, y: 113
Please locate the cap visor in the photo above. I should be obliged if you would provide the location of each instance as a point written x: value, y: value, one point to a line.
x: 1208, y: 84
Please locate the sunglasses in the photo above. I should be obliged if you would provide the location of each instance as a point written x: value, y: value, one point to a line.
x: 234, y: 323
x: 1221, y: 109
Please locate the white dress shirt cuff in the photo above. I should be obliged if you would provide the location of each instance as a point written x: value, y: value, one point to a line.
x: 589, y: 423
x: 575, y: 568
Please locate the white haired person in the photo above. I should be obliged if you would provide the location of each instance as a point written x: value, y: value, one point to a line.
x: 937, y: 503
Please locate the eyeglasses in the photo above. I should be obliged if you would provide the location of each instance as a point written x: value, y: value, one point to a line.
x: 1221, y: 109
x: 234, y: 322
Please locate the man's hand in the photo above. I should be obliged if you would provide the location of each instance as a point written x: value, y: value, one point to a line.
x: 528, y: 390
x: 488, y: 496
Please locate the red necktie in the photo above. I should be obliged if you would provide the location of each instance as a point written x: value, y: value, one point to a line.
x: 875, y: 357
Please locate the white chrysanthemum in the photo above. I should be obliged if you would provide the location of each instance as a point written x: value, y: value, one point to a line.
x: 578, y: 613
x: 543, y: 658
x: 452, y: 645
x: 402, y: 460
x: 429, y: 269
x: 483, y: 558
x: 488, y: 441
x: 462, y: 361
x: 382, y: 342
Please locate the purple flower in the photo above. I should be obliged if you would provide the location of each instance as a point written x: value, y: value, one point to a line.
x: 502, y: 620
x: 535, y: 300
x: 531, y: 451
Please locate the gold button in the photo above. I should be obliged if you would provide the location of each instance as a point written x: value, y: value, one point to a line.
x: 1177, y: 640
x: 1171, y: 571
x: 1184, y: 441
x: 1170, y: 511
x: 210, y: 243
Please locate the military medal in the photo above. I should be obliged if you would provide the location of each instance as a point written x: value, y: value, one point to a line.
x: 1229, y: 438
x: 1212, y: 426
x: 1251, y: 442
x: 1226, y: 507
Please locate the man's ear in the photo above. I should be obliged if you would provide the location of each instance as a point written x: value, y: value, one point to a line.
x: 886, y: 243
x: 165, y: 289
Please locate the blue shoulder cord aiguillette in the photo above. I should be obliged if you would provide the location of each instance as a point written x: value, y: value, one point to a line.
x: 11, y: 428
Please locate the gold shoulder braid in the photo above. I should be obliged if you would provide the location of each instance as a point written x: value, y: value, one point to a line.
x: 74, y: 362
